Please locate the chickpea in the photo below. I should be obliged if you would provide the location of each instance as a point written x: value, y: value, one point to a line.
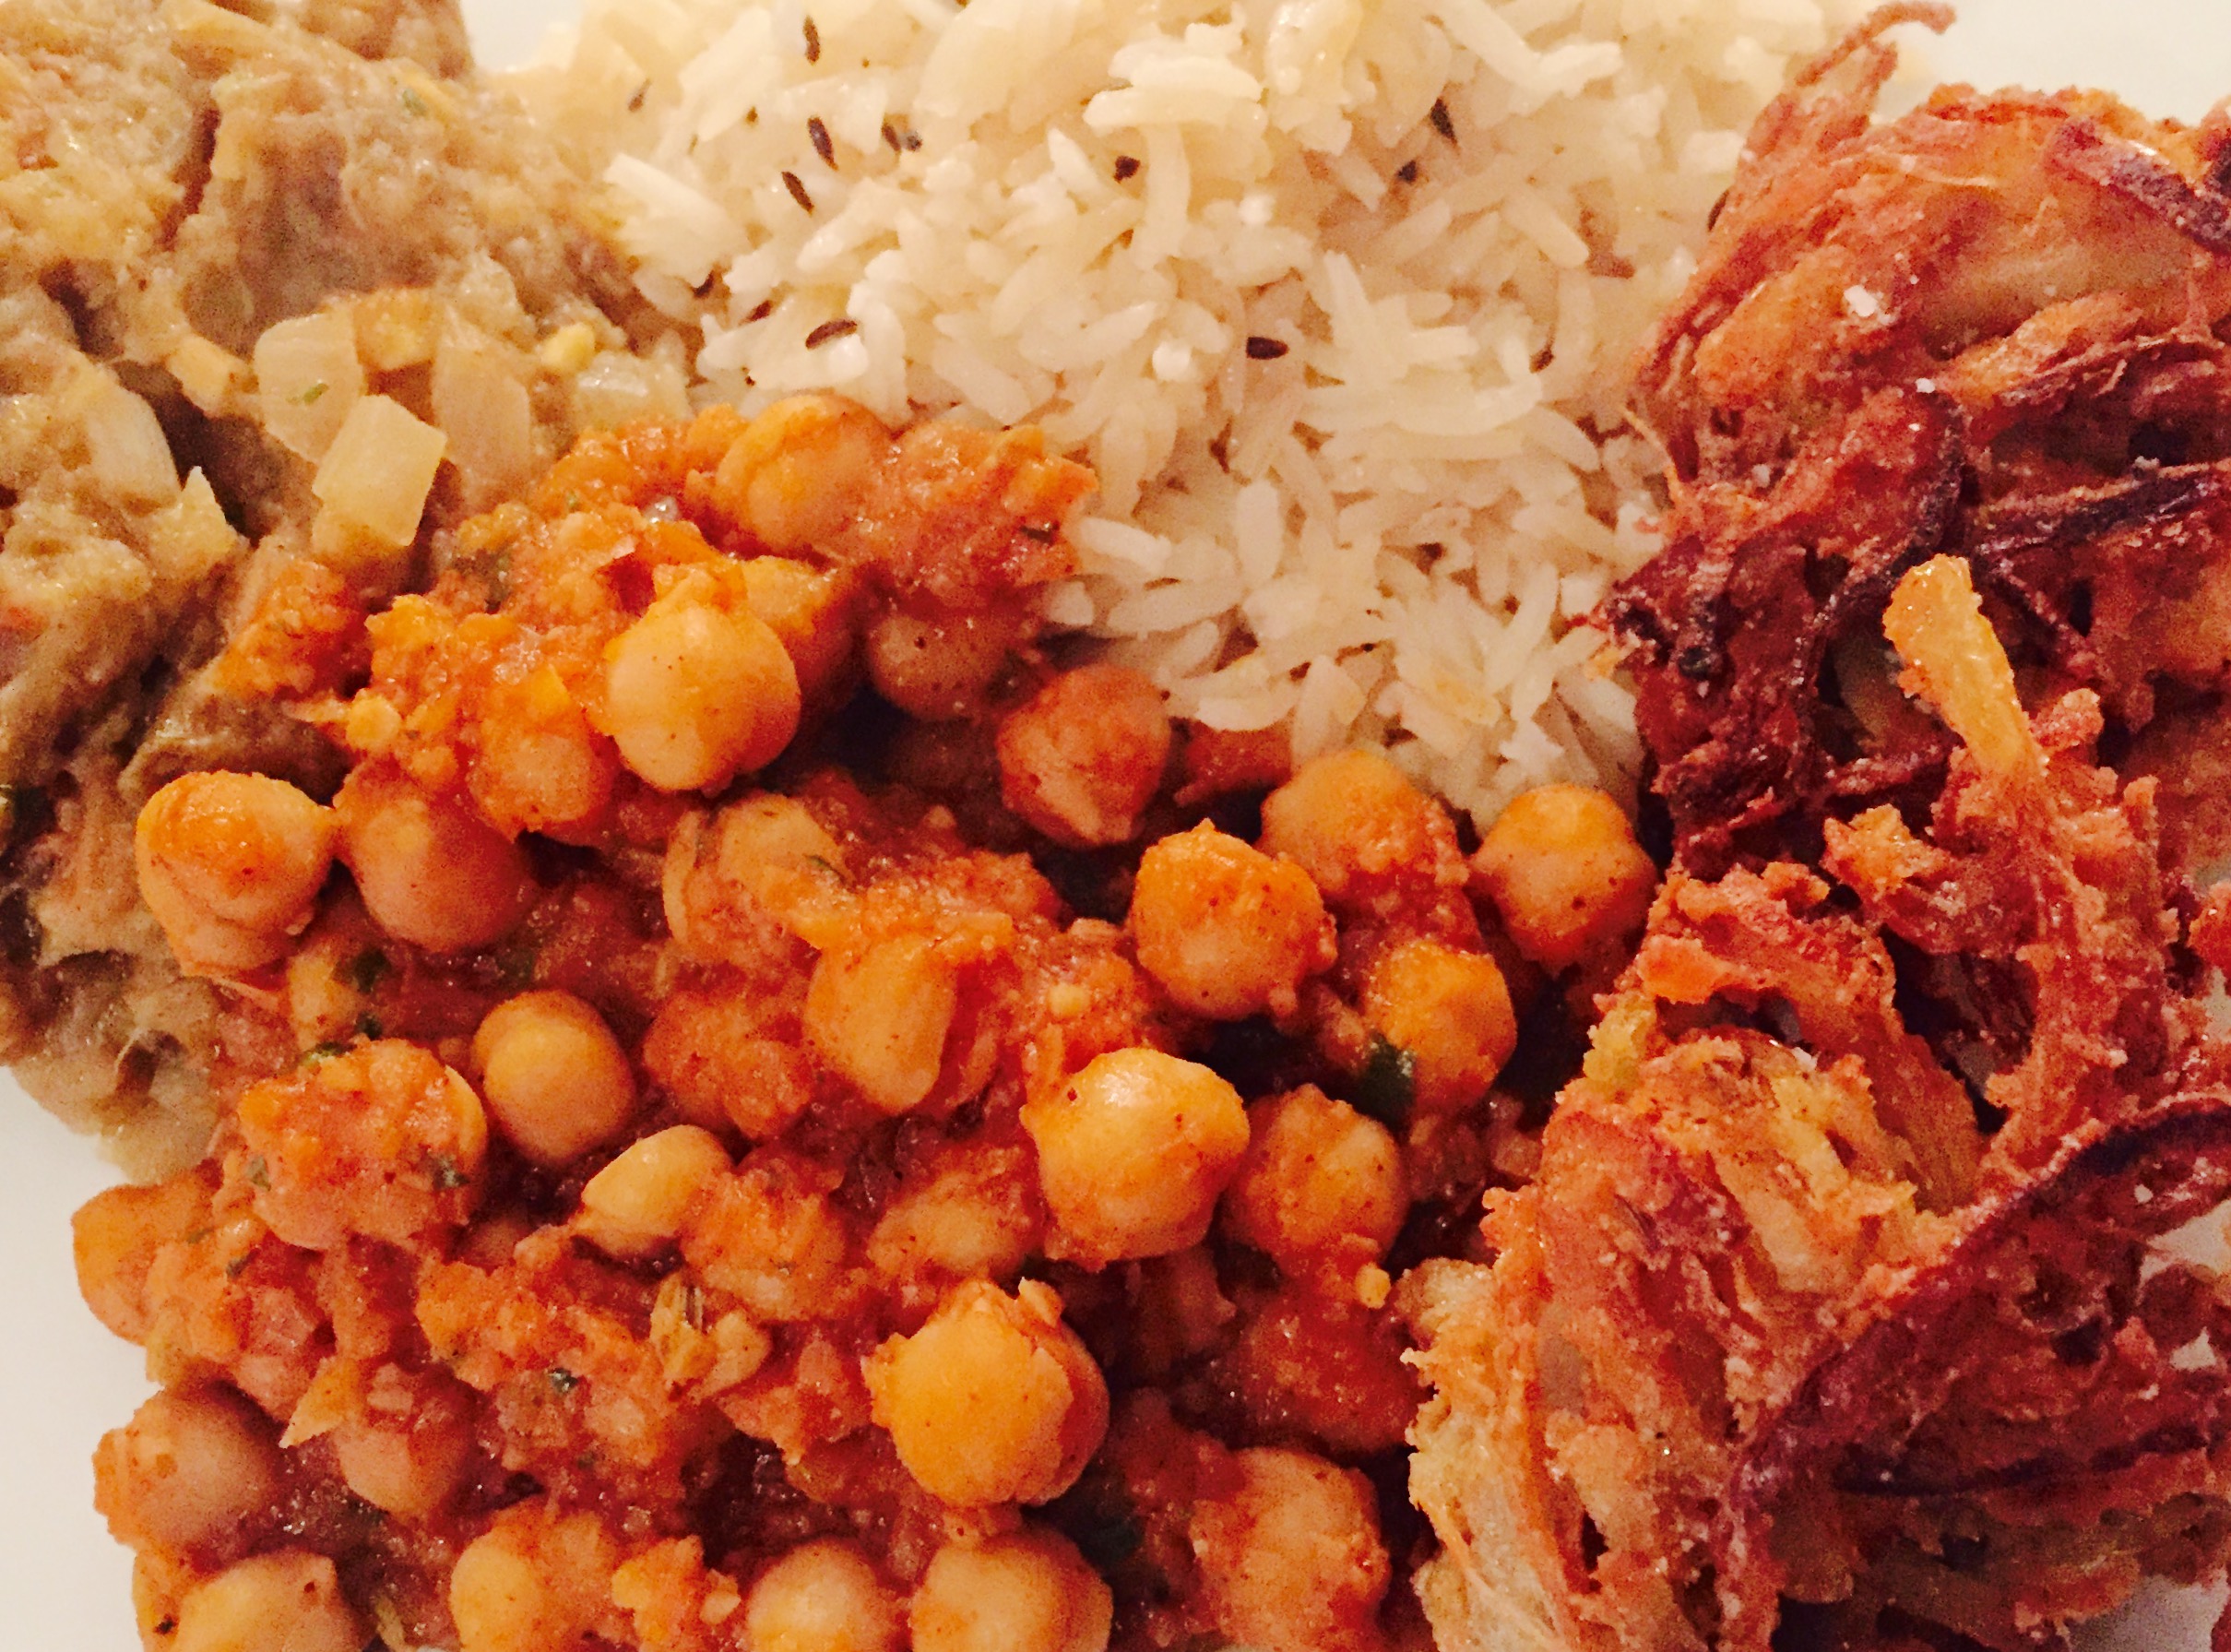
x: 879, y: 1016
x: 730, y: 1349
x: 532, y: 1582
x: 770, y: 834
x: 1566, y: 875
x: 770, y: 1237
x: 1132, y: 1153
x: 432, y: 871
x: 1083, y: 758
x: 231, y: 865
x: 695, y: 694
x: 763, y: 861
x: 993, y: 1400
x: 1030, y: 1591
x: 1227, y: 930
x: 938, y: 667
x: 1373, y: 844
x: 676, y: 1601
x: 1449, y: 1012
x: 409, y: 1461
x: 1292, y: 1558
x: 192, y: 1468
x: 555, y: 1078
x: 541, y: 766
x: 972, y: 1213
x: 284, y: 1602
x: 715, y: 1056
x: 1321, y: 1183
x: 641, y: 1201
x: 382, y: 1141
x: 1178, y: 1311
x: 326, y: 999
x: 821, y: 1596
x: 1309, y: 1362
x: 1218, y: 762
x: 494, y: 1240
x: 117, y: 1235
x: 816, y: 612
x: 800, y: 470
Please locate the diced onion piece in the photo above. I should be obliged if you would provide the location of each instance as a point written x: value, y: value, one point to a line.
x: 131, y: 456
x: 617, y: 389
x: 308, y: 380
x: 484, y: 412
x: 570, y: 348
x: 189, y: 539
x: 396, y: 327
x: 208, y: 372
x: 379, y: 469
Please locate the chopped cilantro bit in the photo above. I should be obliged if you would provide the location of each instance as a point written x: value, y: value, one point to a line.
x: 1387, y: 1084
x: 492, y: 569
x: 311, y: 397
x: 412, y: 102
x: 236, y: 1266
x: 317, y: 1055
x: 560, y: 1380
x: 446, y: 1176
x: 367, y: 970
x: 257, y: 1173
x: 1109, y: 1543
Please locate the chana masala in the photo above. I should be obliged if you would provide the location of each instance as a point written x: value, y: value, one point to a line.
x: 772, y: 1116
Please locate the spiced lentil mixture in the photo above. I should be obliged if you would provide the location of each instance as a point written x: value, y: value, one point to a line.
x: 790, y: 1118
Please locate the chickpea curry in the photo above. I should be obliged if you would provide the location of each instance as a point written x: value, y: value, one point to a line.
x: 771, y: 1115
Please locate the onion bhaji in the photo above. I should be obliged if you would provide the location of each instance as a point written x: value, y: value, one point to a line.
x: 1869, y: 1291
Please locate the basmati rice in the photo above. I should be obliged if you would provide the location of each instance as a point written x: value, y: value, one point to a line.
x: 1335, y: 295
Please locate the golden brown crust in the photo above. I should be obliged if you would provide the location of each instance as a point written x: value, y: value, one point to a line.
x: 1985, y: 326
x: 1837, y: 1304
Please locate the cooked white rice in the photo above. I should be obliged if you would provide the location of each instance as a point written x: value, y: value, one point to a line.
x: 1457, y: 216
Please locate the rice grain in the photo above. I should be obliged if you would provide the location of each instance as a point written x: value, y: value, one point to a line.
x: 1335, y: 295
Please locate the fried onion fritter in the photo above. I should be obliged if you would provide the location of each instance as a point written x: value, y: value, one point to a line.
x: 1782, y: 1333
x: 1989, y: 327
x: 1862, y: 1298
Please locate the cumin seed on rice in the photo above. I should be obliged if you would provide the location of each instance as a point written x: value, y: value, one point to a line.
x: 1252, y: 546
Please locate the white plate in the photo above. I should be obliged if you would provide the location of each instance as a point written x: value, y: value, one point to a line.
x: 65, y: 1586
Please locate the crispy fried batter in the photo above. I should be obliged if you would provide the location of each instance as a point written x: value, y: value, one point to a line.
x: 1777, y: 1330
x: 1857, y: 1328
x: 1988, y: 327
x: 1837, y: 1315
